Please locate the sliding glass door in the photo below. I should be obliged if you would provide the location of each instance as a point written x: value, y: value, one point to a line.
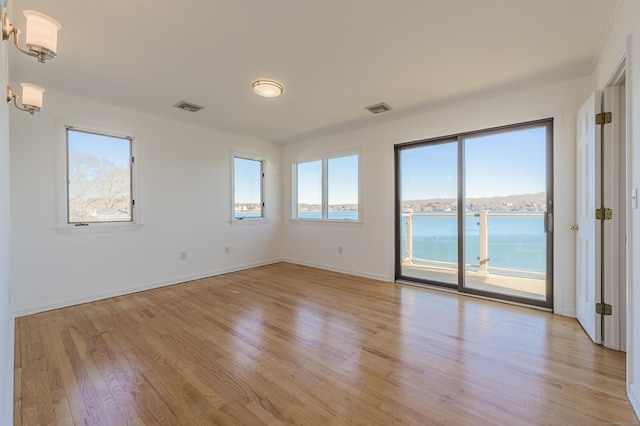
x: 474, y: 212
x: 429, y: 194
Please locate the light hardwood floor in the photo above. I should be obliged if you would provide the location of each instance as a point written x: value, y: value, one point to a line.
x: 287, y: 344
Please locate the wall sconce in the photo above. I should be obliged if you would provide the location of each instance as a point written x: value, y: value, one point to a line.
x: 31, y: 98
x: 41, y: 34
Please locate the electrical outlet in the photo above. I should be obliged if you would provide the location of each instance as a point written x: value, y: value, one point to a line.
x: 340, y: 250
x: 183, y: 255
x: 227, y: 250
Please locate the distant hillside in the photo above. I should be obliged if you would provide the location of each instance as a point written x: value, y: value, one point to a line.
x: 522, y: 202
x: 333, y: 207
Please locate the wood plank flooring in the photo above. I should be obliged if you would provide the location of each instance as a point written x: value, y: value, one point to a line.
x: 286, y: 344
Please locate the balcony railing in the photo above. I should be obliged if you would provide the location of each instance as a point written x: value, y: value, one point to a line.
x: 483, y: 265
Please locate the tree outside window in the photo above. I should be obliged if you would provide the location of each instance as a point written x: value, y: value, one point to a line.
x: 99, y: 178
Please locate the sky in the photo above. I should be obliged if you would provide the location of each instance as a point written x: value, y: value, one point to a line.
x: 495, y: 165
x: 342, y: 177
x: 309, y: 176
x: 247, y: 180
x: 114, y: 149
x: 343, y: 180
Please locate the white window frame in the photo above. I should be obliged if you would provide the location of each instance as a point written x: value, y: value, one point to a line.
x: 62, y: 214
x: 263, y: 194
x: 324, y: 159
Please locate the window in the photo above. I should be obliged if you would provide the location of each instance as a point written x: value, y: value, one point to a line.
x: 99, y: 178
x: 248, y: 188
x: 327, y: 189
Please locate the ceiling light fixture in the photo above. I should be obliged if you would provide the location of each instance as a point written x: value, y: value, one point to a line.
x: 267, y: 88
x: 31, y: 98
x: 41, y: 34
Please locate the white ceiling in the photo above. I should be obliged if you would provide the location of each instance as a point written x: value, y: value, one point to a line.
x: 334, y: 57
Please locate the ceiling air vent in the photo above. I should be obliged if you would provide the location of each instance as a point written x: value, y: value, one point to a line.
x: 378, y: 108
x: 188, y: 106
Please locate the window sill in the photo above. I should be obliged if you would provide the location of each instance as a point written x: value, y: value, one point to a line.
x: 98, y: 228
x: 327, y: 222
x: 249, y: 221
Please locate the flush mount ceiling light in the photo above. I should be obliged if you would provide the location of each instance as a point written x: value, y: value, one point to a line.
x: 31, y: 98
x: 41, y: 34
x: 267, y: 88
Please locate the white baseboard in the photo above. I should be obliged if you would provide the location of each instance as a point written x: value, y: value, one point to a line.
x: 634, y: 398
x: 341, y: 270
x: 63, y: 303
x: 571, y: 313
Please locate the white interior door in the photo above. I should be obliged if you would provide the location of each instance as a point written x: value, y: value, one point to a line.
x: 587, y: 294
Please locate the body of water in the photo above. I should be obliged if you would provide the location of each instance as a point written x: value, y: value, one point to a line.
x: 513, y: 242
x: 334, y: 215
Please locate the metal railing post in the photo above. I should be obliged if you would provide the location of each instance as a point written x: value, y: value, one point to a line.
x: 483, y: 259
x: 409, y: 236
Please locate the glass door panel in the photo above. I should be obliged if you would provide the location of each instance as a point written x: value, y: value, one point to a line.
x: 474, y: 212
x: 505, y: 181
x: 428, y: 218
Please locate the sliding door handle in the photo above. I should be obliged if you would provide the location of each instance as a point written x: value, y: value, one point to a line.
x: 548, y: 219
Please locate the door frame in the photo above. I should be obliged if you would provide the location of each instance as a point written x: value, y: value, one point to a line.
x: 617, y: 181
x: 548, y: 123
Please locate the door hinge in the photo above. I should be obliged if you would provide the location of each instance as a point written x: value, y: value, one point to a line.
x: 604, y: 118
x: 603, y: 309
x: 604, y: 214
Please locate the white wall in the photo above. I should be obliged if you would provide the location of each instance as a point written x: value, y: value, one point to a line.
x: 184, y: 198
x: 368, y: 250
x: 6, y: 318
x: 624, y: 39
